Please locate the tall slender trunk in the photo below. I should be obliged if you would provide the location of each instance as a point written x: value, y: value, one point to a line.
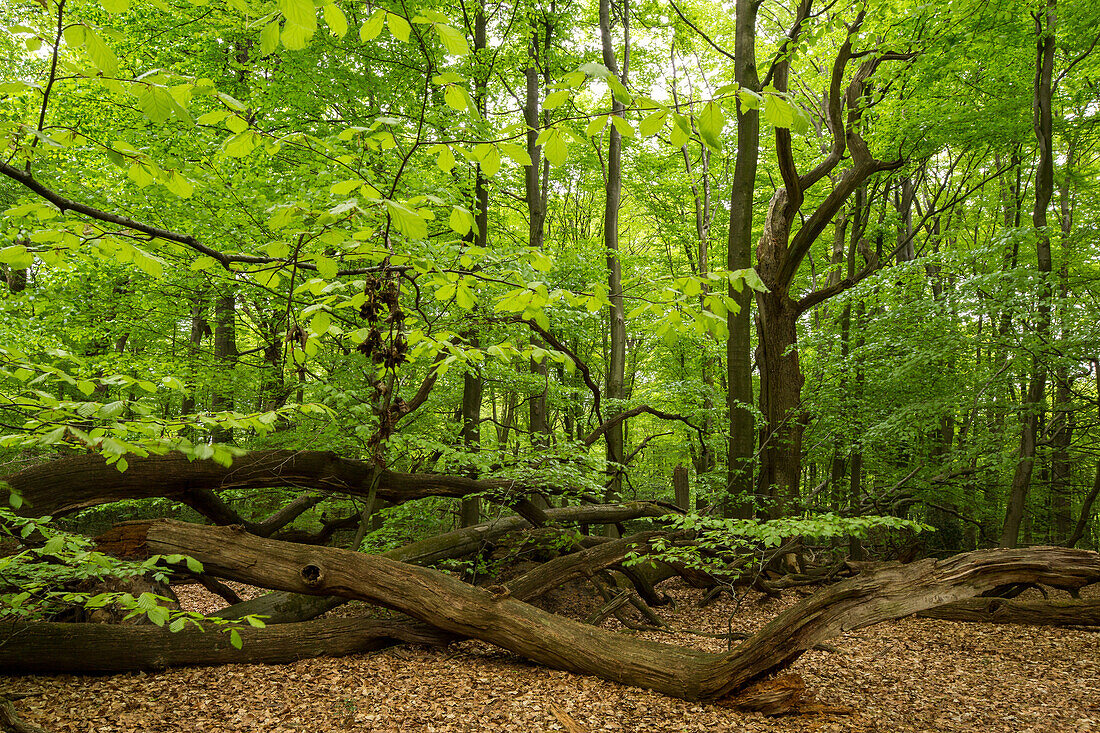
x: 616, y: 372
x: 535, y: 176
x: 1044, y: 191
x: 472, y: 382
x: 739, y: 396
x: 225, y: 356
x: 1064, y: 417
x: 199, y: 328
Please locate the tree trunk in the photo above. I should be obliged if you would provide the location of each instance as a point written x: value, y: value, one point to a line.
x: 1032, y: 613
x: 225, y: 357
x: 284, y: 607
x: 494, y: 616
x: 82, y: 648
x: 616, y: 370
x: 739, y: 396
x: 66, y: 485
x: 1044, y: 191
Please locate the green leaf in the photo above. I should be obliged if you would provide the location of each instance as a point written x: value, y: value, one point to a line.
x: 652, y: 124
x: 320, y: 323
x: 335, y: 20
x: 75, y: 36
x: 17, y: 257
x: 327, y: 267
x: 236, y: 124
x: 115, y: 6
x: 594, y: 69
x: 490, y: 160
x: 749, y: 99
x: 240, y: 145
x: 454, y: 97
x: 146, y: 262
x: 193, y: 565
x: 778, y: 111
x: 595, y: 126
x: 515, y: 152
x: 143, y: 174
x: 177, y: 625
x: 179, y: 185
x: 556, y: 99
x: 269, y: 39
x: 372, y: 26
x: 407, y: 221
x: 101, y: 54
x: 711, y: 122
x: 235, y: 639
x: 452, y: 40
x: 343, y: 188
x: 619, y: 91
x: 622, y: 126
x: 461, y: 220
x: 446, y: 159
x: 399, y: 27
x: 556, y: 149
x: 465, y: 298
x: 301, y: 22
x: 212, y: 118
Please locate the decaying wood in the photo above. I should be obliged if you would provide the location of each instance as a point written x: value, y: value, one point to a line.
x: 78, y: 648
x: 286, y: 607
x: 65, y: 485
x: 458, y: 608
x: 1032, y: 613
x: 10, y: 722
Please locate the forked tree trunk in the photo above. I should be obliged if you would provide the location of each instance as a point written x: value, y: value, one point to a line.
x: 455, y: 607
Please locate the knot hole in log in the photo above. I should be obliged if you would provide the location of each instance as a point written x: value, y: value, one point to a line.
x: 312, y: 575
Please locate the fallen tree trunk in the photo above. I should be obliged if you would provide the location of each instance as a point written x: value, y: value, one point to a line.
x: 65, y: 485
x: 1031, y: 613
x: 284, y: 607
x: 77, y: 648
x: 455, y: 607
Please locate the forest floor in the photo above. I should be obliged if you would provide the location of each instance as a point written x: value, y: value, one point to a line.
x: 908, y: 675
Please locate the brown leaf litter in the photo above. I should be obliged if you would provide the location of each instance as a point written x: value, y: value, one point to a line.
x: 899, y: 677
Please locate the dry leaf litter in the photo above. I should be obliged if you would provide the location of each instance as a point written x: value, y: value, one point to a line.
x: 908, y: 675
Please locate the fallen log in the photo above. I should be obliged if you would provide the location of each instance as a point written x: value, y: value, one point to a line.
x: 458, y: 608
x: 285, y: 607
x: 45, y: 647
x: 66, y: 485
x: 1031, y: 613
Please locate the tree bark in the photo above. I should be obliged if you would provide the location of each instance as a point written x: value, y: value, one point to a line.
x: 739, y: 396
x: 284, y: 607
x: 1044, y: 191
x: 45, y: 647
x: 616, y: 370
x: 1032, y: 613
x: 66, y: 485
x: 455, y: 607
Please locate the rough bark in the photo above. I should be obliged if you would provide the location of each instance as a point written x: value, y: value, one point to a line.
x: 616, y: 370
x: 739, y: 396
x: 455, y: 607
x: 1044, y: 191
x: 1031, y: 613
x: 284, y: 607
x: 80, y: 648
x: 63, y: 486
